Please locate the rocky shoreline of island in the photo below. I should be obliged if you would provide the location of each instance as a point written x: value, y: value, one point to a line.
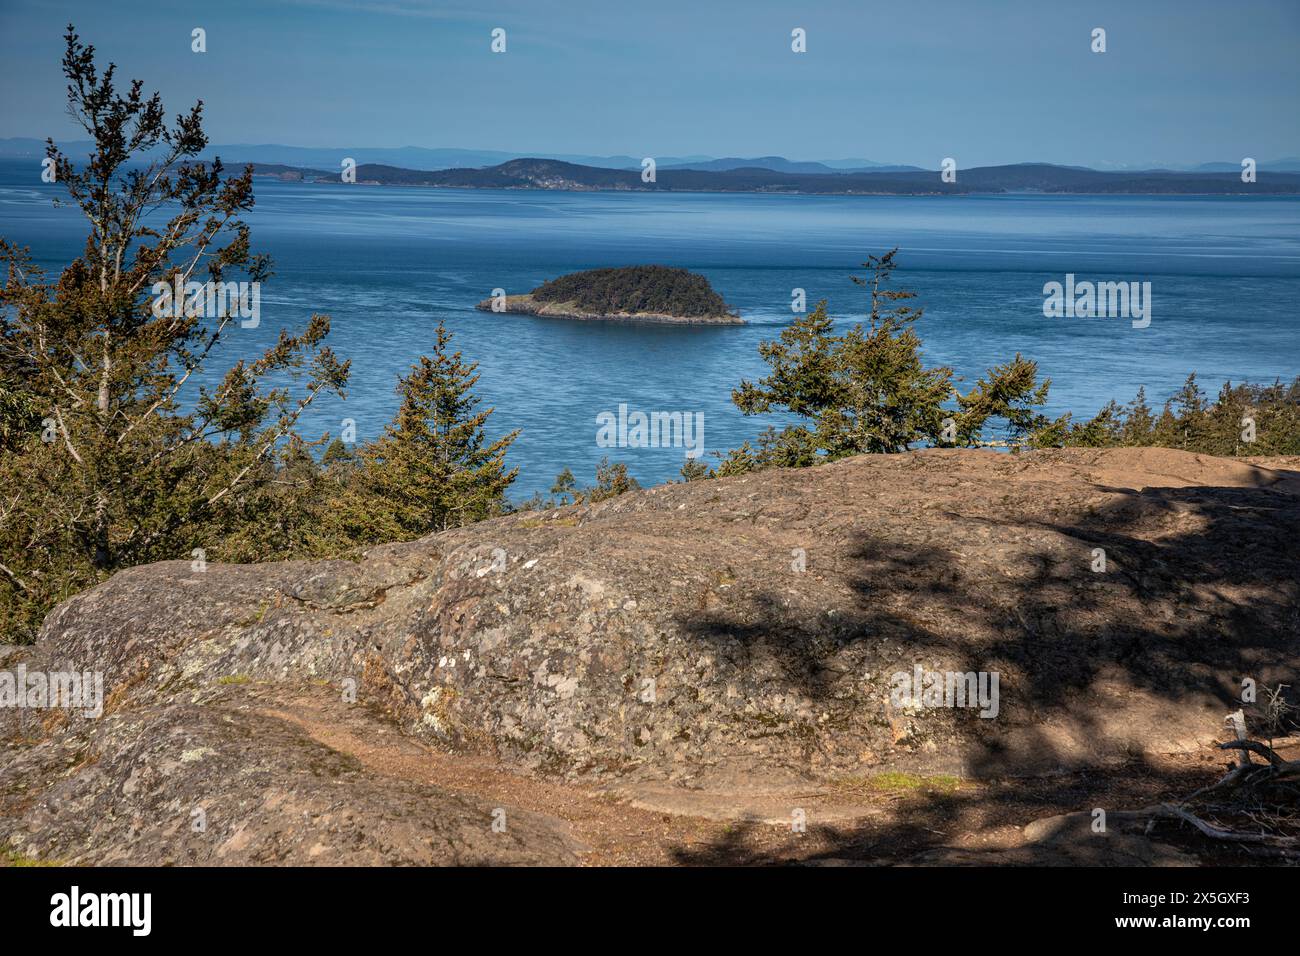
x: 527, y: 305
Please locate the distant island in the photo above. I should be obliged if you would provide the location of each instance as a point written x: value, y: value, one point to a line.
x: 630, y: 293
x: 1020, y: 177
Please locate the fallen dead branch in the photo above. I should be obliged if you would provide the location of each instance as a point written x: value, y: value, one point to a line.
x: 1256, y: 805
x: 1261, y: 797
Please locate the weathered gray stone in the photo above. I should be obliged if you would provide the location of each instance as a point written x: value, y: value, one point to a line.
x: 668, y: 635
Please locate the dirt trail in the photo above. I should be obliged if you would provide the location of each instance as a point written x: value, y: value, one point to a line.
x: 612, y: 830
x: 854, y: 823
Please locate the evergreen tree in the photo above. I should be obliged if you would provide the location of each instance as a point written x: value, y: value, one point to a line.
x: 1101, y: 431
x: 1222, y: 422
x: 1009, y: 392
x: 1165, y: 434
x: 1190, y: 402
x: 738, y: 461
x: 1190, y: 423
x: 869, y: 389
x: 1138, y: 421
x: 612, y: 480
x: 694, y: 470
x: 104, y: 467
x: 565, y: 487
x: 864, y: 391
x: 433, y: 468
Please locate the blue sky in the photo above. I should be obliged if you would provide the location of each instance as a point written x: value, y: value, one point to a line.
x: 908, y: 82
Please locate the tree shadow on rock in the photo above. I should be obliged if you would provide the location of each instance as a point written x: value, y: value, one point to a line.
x: 1199, y: 590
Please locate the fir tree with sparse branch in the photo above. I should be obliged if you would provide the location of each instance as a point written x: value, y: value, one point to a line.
x: 113, y: 457
x: 869, y: 390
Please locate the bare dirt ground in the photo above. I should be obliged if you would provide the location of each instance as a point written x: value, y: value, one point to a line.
x: 851, y: 822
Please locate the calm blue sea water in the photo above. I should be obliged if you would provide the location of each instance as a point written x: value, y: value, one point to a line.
x: 388, y: 262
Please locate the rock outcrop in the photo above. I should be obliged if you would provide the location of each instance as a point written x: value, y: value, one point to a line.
x: 712, y: 635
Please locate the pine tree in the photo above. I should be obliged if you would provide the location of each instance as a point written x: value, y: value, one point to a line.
x: 1009, y: 392
x: 694, y: 470
x: 1138, y: 421
x: 1190, y: 402
x: 612, y: 480
x: 1100, y: 431
x: 738, y: 461
x: 1165, y: 433
x: 565, y: 487
x: 433, y: 468
x: 867, y: 390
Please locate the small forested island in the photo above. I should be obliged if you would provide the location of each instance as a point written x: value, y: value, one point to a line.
x: 630, y: 293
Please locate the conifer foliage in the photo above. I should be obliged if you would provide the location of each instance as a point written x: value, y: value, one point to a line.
x: 434, y: 468
x: 126, y: 440
x: 869, y: 390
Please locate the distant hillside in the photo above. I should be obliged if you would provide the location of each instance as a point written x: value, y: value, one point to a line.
x: 287, y: 173
x: 419, y: 157
x: 780, y: 164
x: 1024, y: 177
x: 553, y: 174
x: 1289, y: 164
x: 425, y: 159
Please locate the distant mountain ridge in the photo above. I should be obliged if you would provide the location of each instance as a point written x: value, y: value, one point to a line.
x: 536, y: 173
x: 780, y: 164
x: 427, y: 159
